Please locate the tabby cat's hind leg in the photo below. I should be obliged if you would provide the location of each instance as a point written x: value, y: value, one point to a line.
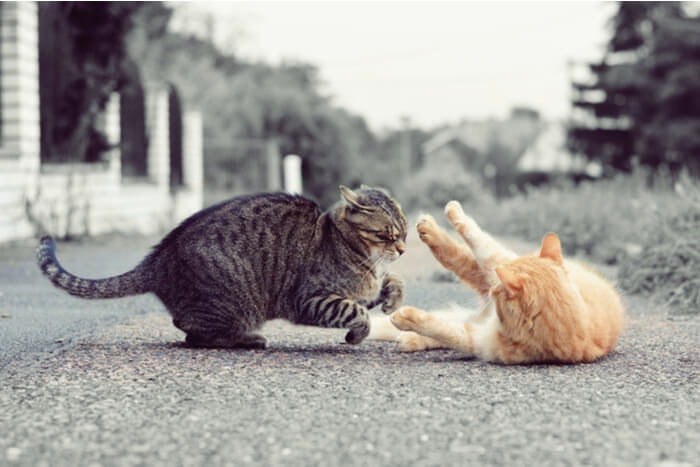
x: 488, y: 252
x: 246, y: 341
x: 211, y: 325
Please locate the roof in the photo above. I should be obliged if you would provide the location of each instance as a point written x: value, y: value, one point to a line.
x: 514, y: 134
x: 548, y: 153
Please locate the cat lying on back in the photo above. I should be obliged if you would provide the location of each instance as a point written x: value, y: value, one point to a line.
x: 226, y: 270
x: 536, y: 308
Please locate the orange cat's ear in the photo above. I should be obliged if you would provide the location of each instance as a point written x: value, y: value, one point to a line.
x: 510, y: 279
x: 551, y: 248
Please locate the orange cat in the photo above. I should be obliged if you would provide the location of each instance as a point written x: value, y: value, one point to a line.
x: 537, y: 308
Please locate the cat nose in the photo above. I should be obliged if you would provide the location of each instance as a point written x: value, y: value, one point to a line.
x: 401, y: 249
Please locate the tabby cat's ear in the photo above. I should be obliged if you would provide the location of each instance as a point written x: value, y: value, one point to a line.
x: 551, y: 248
x: 353, y: 199
x: 512, y: 280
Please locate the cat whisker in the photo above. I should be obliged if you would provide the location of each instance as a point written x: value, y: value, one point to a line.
x: 372, y: 268
x: 367, y: 261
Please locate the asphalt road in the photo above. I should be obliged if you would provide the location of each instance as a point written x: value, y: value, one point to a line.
x: 110, y: 383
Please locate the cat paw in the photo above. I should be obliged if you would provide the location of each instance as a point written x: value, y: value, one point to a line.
x: 454, y: 211
x: 410, y: 342
x: 461, y: 222
x: 427, y: 229
x: 408, y: 318
x: 357, y: 334
x: 392, y: 293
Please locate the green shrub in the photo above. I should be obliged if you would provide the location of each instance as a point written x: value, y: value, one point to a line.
x: 668, y: 265
x: 432, y: 187
x: 602, y: 220
x: 647, y: 225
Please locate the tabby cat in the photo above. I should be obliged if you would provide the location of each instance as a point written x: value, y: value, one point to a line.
x: 536, y: 308
x: 227, y: 269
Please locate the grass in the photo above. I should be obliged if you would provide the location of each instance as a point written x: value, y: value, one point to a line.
x: 669, y: 266
x: 647, y: 226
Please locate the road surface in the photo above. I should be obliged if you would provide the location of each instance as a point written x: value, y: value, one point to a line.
x: 110, y: 383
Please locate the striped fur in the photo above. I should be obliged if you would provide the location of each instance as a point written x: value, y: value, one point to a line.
x: 133, y: 282
x: 226, y: 270
x: 536, y: 308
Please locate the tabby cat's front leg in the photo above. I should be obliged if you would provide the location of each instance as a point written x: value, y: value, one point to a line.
x: 334, y: 311
x: 391, y: 295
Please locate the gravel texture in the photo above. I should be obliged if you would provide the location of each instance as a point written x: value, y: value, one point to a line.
x: 123, y: 390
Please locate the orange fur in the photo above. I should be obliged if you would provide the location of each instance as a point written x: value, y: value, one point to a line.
x: 538, y: 308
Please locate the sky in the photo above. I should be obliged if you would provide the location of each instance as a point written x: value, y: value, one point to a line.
x: 435, y: 63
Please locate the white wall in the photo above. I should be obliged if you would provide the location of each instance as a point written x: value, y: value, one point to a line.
x: 78, y: 199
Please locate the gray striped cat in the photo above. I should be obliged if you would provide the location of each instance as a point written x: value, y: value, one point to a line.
x: 226, y: 270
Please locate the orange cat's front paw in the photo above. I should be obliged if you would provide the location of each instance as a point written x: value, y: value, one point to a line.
x: 454, y: 211
x: 427, y: 229
x: 408, y: 318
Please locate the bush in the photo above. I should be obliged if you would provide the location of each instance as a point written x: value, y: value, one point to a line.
x: 647, y: 224
x: 668, y: 266
x: 431, y: 188
x: 602, y: 220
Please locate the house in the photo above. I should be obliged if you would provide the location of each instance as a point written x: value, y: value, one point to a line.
x: 471, y: 142
x: 523, y: 146
x: 549, y: 155
x: 67, y: 199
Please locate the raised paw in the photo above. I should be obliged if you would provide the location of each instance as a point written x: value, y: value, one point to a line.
x: 461, y: 222
x: 454, y: 211
x: 427, y: 229
x: 408, y: 318
x: 392, y: 294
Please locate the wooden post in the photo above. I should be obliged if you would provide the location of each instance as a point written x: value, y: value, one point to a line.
x: 157, y: 123
x: 292, y: 174
x: 19, y: 83
x: 405, y: 156
x: 272, y: 153
x: 19, y: 117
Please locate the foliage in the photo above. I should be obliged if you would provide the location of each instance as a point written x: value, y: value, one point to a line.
x: 648, y: 113
x: 255, y: 102
x: 432, y: 187
x: 668, y: 264
x: 649, y: 231
x: 601, y: 220
x: 82, y: 55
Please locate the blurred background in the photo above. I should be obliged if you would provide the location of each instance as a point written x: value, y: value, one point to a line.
x: 578, y: 118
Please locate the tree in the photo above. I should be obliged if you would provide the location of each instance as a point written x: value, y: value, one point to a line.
x: 644, y: 99
x: 81, y: 58
x: 244, y: 101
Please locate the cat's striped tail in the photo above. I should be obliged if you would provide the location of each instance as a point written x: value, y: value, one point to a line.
x: 133, y: 282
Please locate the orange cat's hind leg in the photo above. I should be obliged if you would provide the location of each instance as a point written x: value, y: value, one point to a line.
x: 451, y: 335
x: 454, y: 256
x: 413, y: 342
x: 483, y: 340
x: 488, y: 252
